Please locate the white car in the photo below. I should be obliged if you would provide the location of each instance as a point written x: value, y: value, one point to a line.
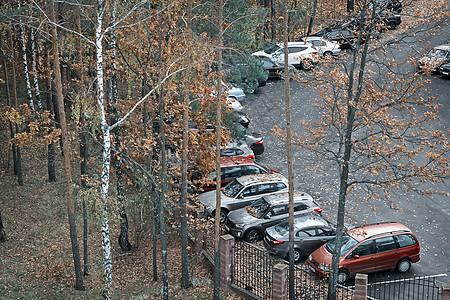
x: 300, y: 54
x: 234, y: 104
x: 268, y: 51
x: 327, y: 49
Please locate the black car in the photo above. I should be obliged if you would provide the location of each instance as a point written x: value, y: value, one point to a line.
x: 444, y: 69
x: 345, y: 37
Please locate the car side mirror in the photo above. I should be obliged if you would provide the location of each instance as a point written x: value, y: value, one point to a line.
x: 266, y: 217
x: 355, y: 256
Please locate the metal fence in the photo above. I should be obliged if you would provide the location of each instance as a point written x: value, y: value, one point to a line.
x: 406, y: 288
x: 253, y: 270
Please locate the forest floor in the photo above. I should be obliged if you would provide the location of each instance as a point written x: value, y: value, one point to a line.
x: 36, y: 260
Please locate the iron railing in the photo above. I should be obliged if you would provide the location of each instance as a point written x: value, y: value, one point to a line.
x: 405, y: 288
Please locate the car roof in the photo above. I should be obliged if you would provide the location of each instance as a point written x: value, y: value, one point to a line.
x: 309, y: 221
x: 249, y: 179
x: 378, y: 229
x: 443, y: 47
x: 281, y: 198
x: 229, y: 161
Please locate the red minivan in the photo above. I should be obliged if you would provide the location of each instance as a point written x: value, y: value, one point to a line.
x: 232, y: 167
x: 367, y: 249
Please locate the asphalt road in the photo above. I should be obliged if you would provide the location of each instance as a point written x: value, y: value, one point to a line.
x: 427, y: 217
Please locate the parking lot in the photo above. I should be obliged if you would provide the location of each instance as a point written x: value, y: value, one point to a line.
x: 427, y: 216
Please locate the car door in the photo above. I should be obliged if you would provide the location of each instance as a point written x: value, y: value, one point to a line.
x: 361, y: 259
x: 295, y: 55
x: 387, y: 253
x: 277, y: 214
x: 308, y: 240
x: 245, y: 197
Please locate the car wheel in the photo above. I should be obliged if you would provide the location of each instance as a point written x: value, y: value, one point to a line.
x: 252, y: 236
x: 328, y: 55
x: 404, y: 265
x: 297, y: 255
x: 306, y: 65
x: 342, y: 276
x: 391, y: 25
x: 222, y: 216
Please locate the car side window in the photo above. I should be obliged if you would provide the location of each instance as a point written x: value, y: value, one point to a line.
x: 265, y: 188
x: 326, y: 232
x: 405, y: 240
x: 300, y: 207
x: 296, y: 49
x: 250, y: 191
x: 280, y: 186
x: 250, y: 170
x: 365, y: 248
x: 385, y: 244
x: 278, y: 210
x: 311, y: 232
x: 231, y: 173
x: 302, y: 233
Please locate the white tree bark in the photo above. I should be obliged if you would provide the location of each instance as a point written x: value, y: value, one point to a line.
x: 35, y: 73
x: 25, y: 63
x: 106, y: 243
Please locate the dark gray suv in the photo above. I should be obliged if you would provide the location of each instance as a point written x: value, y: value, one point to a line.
x: 250, y: 222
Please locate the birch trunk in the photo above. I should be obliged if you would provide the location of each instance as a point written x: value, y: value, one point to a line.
x: 34, y: 70
x: 218, y: 140
x: 25, y: 63
x: 67, y: 167
x: 106, y: 161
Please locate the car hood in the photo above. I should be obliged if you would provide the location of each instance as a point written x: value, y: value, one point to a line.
x: 261, y: 53
x: 241, y: 216
x: 209, y: 198
x: 432, y: 61
x: 322, y: 256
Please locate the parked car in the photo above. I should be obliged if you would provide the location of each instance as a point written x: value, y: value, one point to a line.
x: 310, y: 232
x: 367, y: 249
x: 238, y: 148
x: 394, y: 6
x: 300, y: 55
x: 444, y: 69
x: 268, y: 51
x: 234, y: 92
x: 234, y: 167
x: 346, y: 37
x: 250, y: 222
x: 326, y: 49
x: 438, y: 56
x: 234, y: 104
x: 243, y: 191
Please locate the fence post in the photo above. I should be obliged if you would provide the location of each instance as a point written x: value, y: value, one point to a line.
x: 446, y: 292
x: 226, y: 259
x: 279, y: 282
x: 361, y: 286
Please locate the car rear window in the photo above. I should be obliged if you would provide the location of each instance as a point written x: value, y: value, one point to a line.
x: 385, y: 244
x: 266, y: 169
x: 405, y: 240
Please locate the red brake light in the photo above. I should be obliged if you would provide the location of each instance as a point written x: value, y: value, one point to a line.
x: 259, y: 143
x: 314, y: 53
x: 251, y: 156
x: 274, y: 242
x: 318, y: 209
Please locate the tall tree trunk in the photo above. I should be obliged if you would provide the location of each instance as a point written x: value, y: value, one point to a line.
x: 2, y: 229
x: 18, y: 162
x: 353, y: 98
x: 51, y: 167
x: 289, y: 151
x: 311, y: 18
x: 123, y: 236
x: 25, y: 63
x: 37, y: 92
x: 273, y: 21
x: 67, y: 168
x: 8, y: 97
x: 106, y: 161
x: 84, y: 145
x: 184, y: 162
x: 218, y: 142
x: 162, y: 147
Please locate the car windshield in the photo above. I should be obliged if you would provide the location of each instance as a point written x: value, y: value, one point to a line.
x: 260, y: 207
x: 438, y: 53
x: 282, y: 228
x: 232, y: 189
x: 272, y: 49
x: 347, y: 244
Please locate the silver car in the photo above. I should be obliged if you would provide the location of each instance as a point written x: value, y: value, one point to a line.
x: 310, y: 232
x: 250, y: 222
x: 327, y: 49
x: 243, y: 191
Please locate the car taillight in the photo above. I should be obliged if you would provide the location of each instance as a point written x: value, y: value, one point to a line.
x: 339, y: 47
x: 418, y: 248
x: 259, y: 143
x: 251, y: 156
x: 275, y: 242
x: 318, y: 209
x: 314, y: 53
